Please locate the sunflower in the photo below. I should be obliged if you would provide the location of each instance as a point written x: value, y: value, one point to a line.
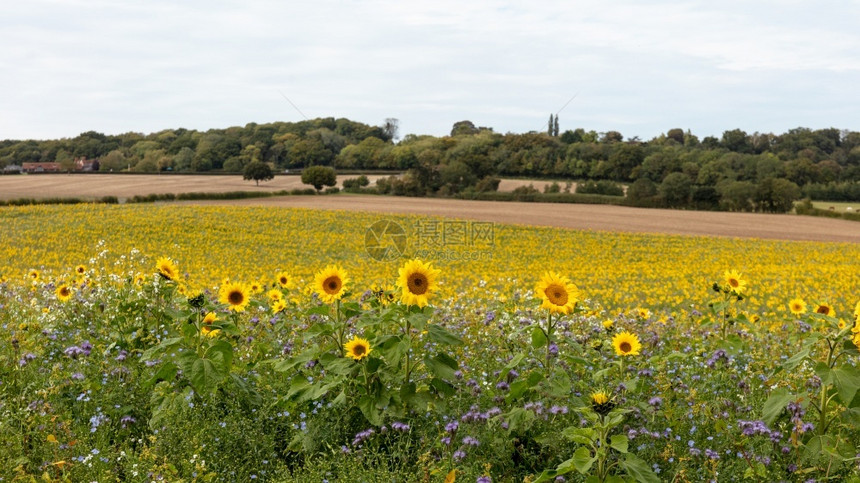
x: 139, y: 279
x: 275, y: 295
x: 601, y: 403
x: 733, y: 282
x: 278, y: 306
x: 417, y: 282
x: 206, y: 329
x: 825, y: 309
x: 167, y: 269
x: 797, y: 306
x: 608, y: 323
x: 357, y: 348
x: 235, y: 295
x: 64, y: 293
x: 856, y: 340
x: 643, y: 313
x: 33, y: 275
x: 558, y: 293
x: 330, y: 283
x: 80, y: 270
x: 256, y: 287
x: 284, y: 280
x: 626, y: 344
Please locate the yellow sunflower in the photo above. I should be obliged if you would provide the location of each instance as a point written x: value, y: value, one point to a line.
x: 207, y: 329
x: 330, y: 283
x: 255, y: 287
x: 284, y: 279
x: 558, y: 293
x: 417, y: 282
x: 733, y: 282
x: 33, y: 275
x: 797, y: 306
x: 856, y: 340
x: 825, y: 309
x: 601, y: 403
x: 167, y: 269
x: 357, y: 348
x: 275, y: 295
x: 278, y: 306
x: 626, y: 344
x: 608, y: 323
x: 235, y: 295
x: 139, y: 279
x: 64, y: 293
x: 80, y: 270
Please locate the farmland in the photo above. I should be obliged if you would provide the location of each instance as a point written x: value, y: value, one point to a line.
x: 201, y: 343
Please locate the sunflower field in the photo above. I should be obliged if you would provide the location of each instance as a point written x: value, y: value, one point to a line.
x: 192, y: 343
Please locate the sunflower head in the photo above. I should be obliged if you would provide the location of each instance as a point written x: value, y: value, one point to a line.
x: 209, y: 318
x: 234, y: 295
x: 417, y: 282
x: 33, y: 275
x: 331, y: 283
x: 284, y: 280
x: 825, y: 309
x: 167, y: 269
x: 608, y: 324
x: 357, y: 348
x: 557, y: 293
x: 732, y: 282
x: 80, y: 270
x: 279, y: 306
x: 64, y: 292
x: 626, y: 344
x: 255, y: 287
x: 274, y: 295
x: 797, y: 306
x: 643, y: 313
x: 601, y: 403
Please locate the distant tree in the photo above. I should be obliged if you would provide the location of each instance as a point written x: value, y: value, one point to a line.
x: 776, y: 195
x: 555, y: 127
x: 550, y: 126
x: 643, y: 191
x: 736, y: 195
x: 391, y: 128
x: 258, y: 171
x: 612, y: 137
x: 737, y: 140
x: 676, y: 135
x: 675, y: 189
x: 463, y: 127
x: 319, y: 176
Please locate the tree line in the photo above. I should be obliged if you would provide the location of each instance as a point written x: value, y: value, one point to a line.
x: 736, y: 171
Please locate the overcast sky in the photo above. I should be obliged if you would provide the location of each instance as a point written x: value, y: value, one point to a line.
x: 637, y: 67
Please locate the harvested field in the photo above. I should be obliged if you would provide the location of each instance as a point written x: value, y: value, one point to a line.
x: 588, y: 217
x: 125, y: 186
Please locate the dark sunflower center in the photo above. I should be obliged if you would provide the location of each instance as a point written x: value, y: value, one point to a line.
x: 823, y: 310
x: 64, y: 292
x: 283, y: 280
x: 556, y: 294
x: 625, y: 346
x: 358, y: 350
x: 332, y: 285
x: 236, y: 297
x: 417, y: 283
x: 734, y: 282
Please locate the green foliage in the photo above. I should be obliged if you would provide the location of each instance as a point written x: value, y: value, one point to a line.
x: 258, y: 171
x: 319, y: 176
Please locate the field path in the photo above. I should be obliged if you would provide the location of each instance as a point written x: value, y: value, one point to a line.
x: 581, y: 216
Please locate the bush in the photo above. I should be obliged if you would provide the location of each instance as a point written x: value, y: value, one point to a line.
x: 355, y: 184
x: 319, y: 176
x: 552, y: 188
x: 602, y: 187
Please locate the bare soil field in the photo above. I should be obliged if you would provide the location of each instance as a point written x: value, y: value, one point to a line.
x: 125, y: 186
x: 588, y: 217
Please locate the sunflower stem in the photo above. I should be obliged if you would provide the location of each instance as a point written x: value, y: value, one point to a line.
x: 340, y: 328
x: 547, y: 364
x: 408, y: 334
